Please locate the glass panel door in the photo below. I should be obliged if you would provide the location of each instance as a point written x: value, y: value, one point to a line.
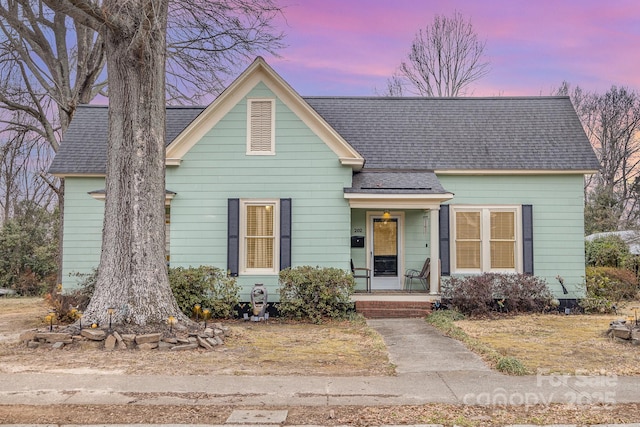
x: 385, y: 254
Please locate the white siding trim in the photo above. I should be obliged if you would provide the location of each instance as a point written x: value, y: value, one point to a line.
x: 514, y: 172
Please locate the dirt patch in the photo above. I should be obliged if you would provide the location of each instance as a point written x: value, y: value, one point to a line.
x: 559, y: 343
x: 266, y: 348
x: 447, y: 415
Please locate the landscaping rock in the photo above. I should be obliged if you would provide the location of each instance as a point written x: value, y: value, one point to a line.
x: 128, y: 337
x: 148, y: 338
x: 28, y: 336
x: 204, y: 344
x: 193, y: 340
x: 118, y: 338
x: 33, y: 344
x: 212, y: 342
x: 57, y: 346
x: 164, y: 346
x: 170, y: 340
x: 184, y: 347
x: 110, y: 343
x: 90, y: 345
x: 635, y: 334
x: 218, y: 340
x: 208, y: 332
x: 94, y: 334
x: 52, y: 337
x: 183, y: 341
x: 218, y: 332
x: 148, y: 345
x: 621, y: 332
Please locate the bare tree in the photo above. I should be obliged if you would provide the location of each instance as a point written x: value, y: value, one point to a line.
x: 50, y: 62
x: 445, y: 58
x: 21, y: 156
x: 394, y: 88
x: 132, y: 277
x: 612, y: 123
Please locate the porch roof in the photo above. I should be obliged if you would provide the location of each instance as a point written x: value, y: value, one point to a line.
x: 396, y: 189
x: 396, y: 182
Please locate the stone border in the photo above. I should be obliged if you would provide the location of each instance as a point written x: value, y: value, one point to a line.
x: 107, y: 340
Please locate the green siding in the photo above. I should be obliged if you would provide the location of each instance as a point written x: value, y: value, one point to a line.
x: 82, y: 229
x: 307, y: 171
x: 217, y: 168
x: 558, y: 219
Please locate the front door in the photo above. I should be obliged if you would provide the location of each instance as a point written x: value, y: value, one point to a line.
x: 385, y: 252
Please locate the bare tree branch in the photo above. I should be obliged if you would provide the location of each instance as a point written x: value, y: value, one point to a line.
x: 445, y: 58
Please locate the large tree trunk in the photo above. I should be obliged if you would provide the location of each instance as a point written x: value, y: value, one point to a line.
x: 132, y: 276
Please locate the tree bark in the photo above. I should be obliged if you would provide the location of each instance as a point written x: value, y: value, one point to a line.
x: 132, y: 276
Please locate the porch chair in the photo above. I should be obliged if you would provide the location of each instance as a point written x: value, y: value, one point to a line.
x: 421, y: 275
x: 365, y: 275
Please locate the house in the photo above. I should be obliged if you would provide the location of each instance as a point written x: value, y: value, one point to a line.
x: 263, y: 179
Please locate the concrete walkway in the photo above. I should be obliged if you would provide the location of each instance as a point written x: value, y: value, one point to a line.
x: 431, y: 368
x: 415, y: 346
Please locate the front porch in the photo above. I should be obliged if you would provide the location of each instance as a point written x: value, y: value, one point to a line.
x: 395, y: 222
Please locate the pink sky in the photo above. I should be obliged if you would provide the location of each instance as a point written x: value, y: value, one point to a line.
x: 350, y: 47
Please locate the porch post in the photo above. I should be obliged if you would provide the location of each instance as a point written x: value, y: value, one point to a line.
x: 434, y: 234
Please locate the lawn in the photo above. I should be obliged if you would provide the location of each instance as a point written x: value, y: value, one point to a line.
x: 275, y: 347
x: 558, y: 343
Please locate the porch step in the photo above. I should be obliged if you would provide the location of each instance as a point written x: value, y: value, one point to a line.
x: 393, y: 309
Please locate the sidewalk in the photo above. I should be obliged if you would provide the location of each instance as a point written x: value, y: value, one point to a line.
x: 431, y: 369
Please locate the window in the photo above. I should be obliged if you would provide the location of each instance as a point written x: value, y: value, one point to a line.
x: 259, y: 236
x: 261, y: 124
x: 486, y: 239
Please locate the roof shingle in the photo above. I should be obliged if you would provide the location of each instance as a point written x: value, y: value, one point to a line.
x: 502, y: 133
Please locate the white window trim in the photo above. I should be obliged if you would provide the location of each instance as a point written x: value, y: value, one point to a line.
x: 242, y: 269
x: 485, y: 227
x: 272, y: 152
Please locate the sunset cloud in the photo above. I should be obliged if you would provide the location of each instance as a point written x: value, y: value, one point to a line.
x: 350, y: 47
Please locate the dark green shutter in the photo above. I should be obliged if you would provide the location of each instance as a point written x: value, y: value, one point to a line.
x: 233, y: 236
x: 445, y: 254
x: 527, y: 239
x: 285, y: 233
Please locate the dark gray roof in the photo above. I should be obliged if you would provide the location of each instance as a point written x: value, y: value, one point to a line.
x: 395, y: 182
x: 84, y: 145
x: 503, y: 133
x: 531, y: 133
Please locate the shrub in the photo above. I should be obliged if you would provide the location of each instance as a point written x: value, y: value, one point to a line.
x: 607, y: 286
x: 608, y: 251
x: 208, y: 286
x: 68, y: 305
x: 315, y: 293
x: 29, y: 250
x: 477, y: 295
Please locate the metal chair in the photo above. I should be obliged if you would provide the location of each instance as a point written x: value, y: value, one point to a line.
x: 421, y: 275
x: 366, y: 275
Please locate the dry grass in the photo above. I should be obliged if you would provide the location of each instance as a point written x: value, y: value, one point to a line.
x: 558, y: 343
x: 19, y: 314
x: 265, y: 348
